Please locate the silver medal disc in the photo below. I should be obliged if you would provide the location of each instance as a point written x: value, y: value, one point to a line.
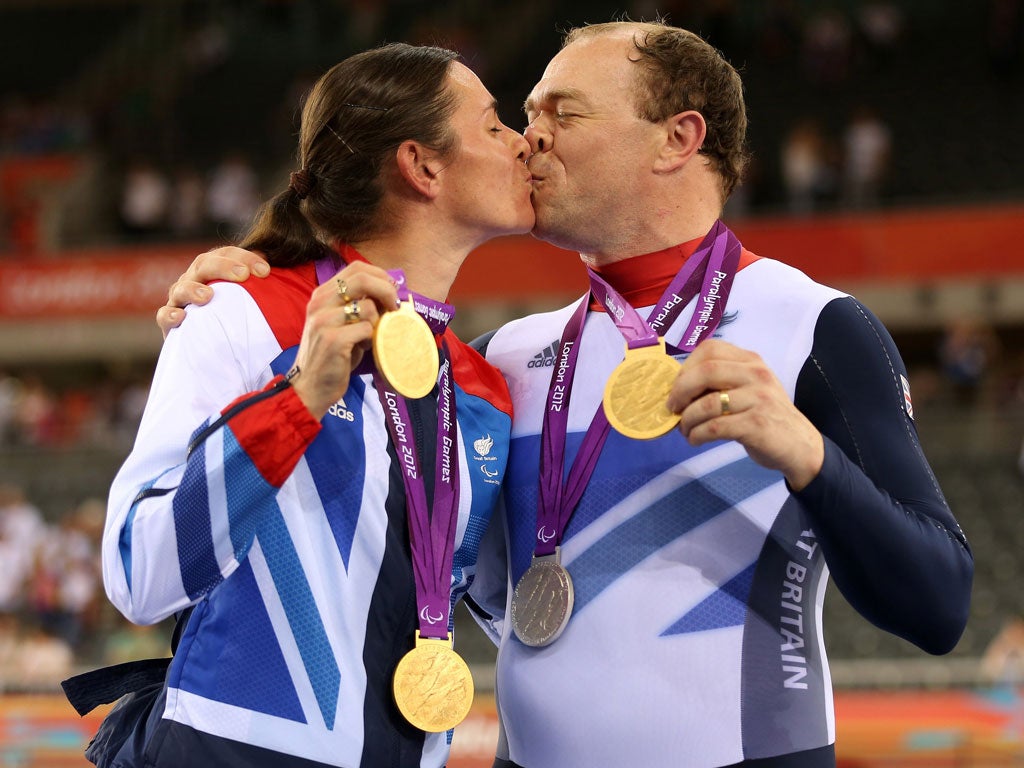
x: 542, y: 602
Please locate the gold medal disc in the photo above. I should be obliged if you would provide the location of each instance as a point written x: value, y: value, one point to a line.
x: 433, y: 686
x: 405, y: 352
x: 636, y: 393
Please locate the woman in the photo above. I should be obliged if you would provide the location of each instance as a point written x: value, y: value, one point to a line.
x: 277, y: 476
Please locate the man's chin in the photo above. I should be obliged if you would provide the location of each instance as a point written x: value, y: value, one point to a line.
x: 543, y: 231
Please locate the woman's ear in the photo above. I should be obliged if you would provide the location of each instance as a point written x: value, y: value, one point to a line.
x: 419, y: 168
x: 684, y: 135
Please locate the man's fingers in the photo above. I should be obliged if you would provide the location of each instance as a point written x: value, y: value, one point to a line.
x: 185, y: 292
x: 710, y: 374
x: 711, y: 405
x: 227, y: 263
x: 168, y: 318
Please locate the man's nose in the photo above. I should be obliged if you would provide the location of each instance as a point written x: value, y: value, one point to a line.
x: 540, y: 139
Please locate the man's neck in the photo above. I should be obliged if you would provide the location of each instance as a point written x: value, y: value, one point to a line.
x: 656, y: 233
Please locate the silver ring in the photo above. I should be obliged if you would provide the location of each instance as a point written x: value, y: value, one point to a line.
x: 723, y: 398
x: 352, y: 312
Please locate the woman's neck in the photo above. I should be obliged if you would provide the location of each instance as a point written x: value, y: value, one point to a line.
x: 430, y: 267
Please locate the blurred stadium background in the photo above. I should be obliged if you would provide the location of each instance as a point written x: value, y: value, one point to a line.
x: 889, y: 162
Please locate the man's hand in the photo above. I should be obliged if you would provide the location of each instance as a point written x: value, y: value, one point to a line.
x: 760, y: 415
x: 227, y: 263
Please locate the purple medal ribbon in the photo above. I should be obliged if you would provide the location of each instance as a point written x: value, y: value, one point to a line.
x: 327, y: 268
x: 557, y: 501
x: 437, y: 314
x: 432, y: 529
x: 712, y: 268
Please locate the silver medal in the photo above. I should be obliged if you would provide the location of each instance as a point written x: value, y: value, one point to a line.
x: 542, y: 602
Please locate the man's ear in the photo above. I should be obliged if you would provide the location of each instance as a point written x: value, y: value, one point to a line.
x: 684, y: 134
x: 419, y: 167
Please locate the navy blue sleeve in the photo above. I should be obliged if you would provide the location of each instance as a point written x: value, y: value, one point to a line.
x: 890, y: 540
x: 480, y: 342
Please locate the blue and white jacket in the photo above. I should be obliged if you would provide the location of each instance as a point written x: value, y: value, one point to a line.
x: 289, y: 539
x: 696, y: 637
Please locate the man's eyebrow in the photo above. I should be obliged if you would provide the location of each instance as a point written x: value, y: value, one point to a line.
x: 555, y: 95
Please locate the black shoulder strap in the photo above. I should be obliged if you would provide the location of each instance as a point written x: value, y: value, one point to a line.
x: 102, y: 686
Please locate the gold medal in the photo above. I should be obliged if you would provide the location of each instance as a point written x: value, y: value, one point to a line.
x: 405, y: 351
x: 636, y: 395
x: 433, y: 686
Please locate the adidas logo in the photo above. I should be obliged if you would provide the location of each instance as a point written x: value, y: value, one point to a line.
x: 546, y: 357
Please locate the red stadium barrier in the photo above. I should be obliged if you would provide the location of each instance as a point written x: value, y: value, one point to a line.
x: 927, y: 245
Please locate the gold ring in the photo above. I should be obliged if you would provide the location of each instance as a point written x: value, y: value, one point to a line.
x: 351, y: 312
x: 342, y: 290
x: 723, y: 398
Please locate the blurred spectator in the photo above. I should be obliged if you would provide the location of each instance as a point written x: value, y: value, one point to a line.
x: 827, y: 48
x: 967, y: 351
x: 806, y: 170
x: 76, y: 415
x: 36, y: 419
x: 207, y: 47
x: 10, y: 631
x: 867, y: 149
x: 145, y: 199
x: 10, y: 391
x: 881, y: 25
x: 105, y: 413
x: 232, y: 196
x: 188, y: 204
x: 21, y: 530
x: 128, y: 408
x: 41, y: 659
x: 1003, y: 660
x: 65, y: 585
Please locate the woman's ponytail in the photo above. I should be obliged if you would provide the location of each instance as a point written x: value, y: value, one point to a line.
x: 281, y: 231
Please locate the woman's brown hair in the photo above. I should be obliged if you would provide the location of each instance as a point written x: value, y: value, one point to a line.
x: 354, y: 119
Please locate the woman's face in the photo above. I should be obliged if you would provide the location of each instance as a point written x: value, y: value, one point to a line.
x: 488, y: 183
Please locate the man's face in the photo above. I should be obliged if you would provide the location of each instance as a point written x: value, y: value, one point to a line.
x: 487, y: 177
x: 591, y: 152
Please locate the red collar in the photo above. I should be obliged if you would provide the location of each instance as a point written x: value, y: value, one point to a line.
x: 641, y: 280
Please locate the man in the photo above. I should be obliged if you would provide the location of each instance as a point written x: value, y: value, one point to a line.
x: 699, y: 559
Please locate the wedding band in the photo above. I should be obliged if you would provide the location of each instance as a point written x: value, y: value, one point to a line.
x: 723, y: 398
x: 351, y: 312
x: 343, y: 290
